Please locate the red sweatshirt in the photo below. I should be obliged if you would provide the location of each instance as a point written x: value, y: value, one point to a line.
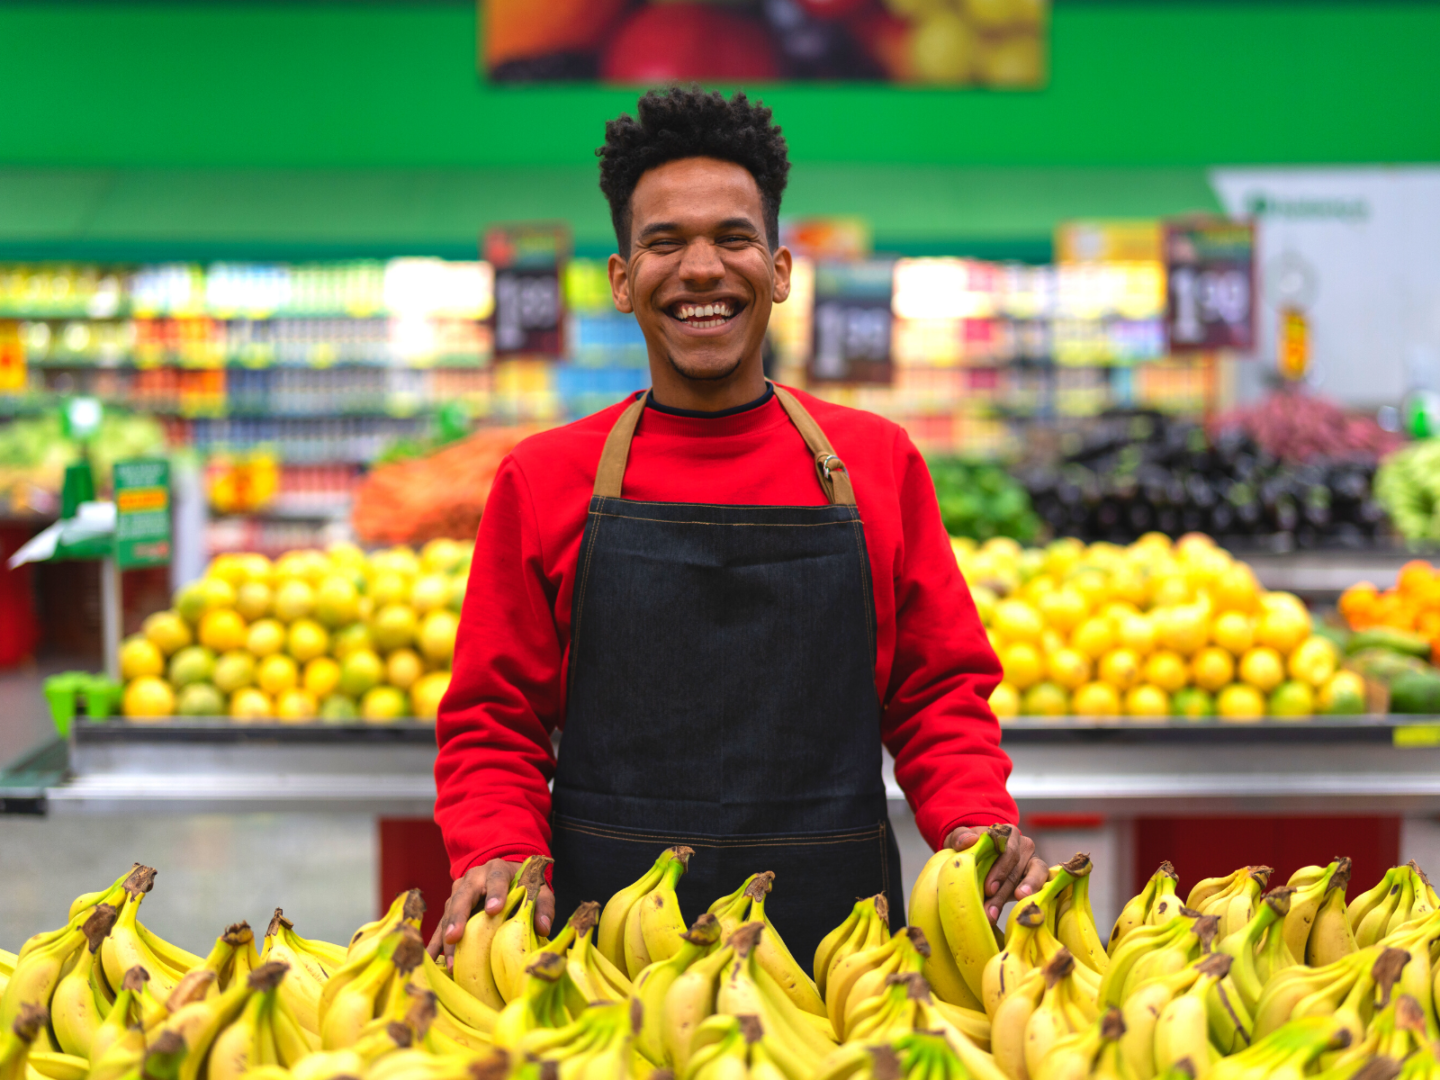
x: 934, y: 668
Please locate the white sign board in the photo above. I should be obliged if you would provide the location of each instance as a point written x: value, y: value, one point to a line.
x: 1358, y: 251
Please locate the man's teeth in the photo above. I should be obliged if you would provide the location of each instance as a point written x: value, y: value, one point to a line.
x: 704, y: 311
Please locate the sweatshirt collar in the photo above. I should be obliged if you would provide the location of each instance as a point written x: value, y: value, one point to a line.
x: 759, y: 415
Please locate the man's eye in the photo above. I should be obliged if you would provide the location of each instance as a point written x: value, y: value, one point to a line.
x: 734, y: 239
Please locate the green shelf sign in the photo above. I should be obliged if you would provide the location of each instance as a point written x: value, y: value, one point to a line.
x: 142, y: 513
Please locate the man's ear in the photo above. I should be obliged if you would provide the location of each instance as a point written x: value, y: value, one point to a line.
x: 619, y: 271
x: 783, y: 265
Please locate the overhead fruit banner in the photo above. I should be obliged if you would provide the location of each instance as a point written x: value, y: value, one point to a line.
x: 983, y: 43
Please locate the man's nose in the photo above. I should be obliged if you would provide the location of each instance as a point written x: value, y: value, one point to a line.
x: 701, y: 262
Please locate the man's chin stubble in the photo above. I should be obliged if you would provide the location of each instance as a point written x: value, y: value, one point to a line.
x: 716, y: 376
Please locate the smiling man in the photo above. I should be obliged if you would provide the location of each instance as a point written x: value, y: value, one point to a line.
x: 729, y: 595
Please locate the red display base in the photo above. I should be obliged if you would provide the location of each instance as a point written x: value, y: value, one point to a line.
x: 412, y: 856
x: 1213, y: 847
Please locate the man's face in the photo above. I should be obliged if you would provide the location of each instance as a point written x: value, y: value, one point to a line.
x: 701, y: 277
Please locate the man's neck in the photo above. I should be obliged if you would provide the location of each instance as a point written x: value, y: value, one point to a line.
x: 675, y: 391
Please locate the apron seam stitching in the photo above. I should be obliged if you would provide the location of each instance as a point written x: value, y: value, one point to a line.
x: 752, y: 524
x: 871, y: 833
x: 580, y: 608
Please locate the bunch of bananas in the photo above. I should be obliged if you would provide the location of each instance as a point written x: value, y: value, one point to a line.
x: 1232, y: 983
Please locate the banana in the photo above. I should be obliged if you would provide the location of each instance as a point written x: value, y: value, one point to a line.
x: 52, y: 1066
x: 176, y: 960
x: 1109, y: 1063
x: 588, y: 966
x: 81, y: 906
x: 774, y: 955
x: 407, y: 910
x: 1133, y: 914
x: 1140, y: 945
x: 966, y: 926
x: 1075, y: 925
x: 471, y: 965
x: 906, y: 954
x: 747, y: 989
x: 1370, y: 927
x: 17, y: 1038
x: 381, y: 926
x: 1302, y: 991
x: 344, y: 1015
x: 124, y: 948
x: 1166, y: 904
x: 1007, y: 1030
x: 941, y: 971
x: 516, y: 938
x: 883, y: 957
x: 1305, y: 904
x: 871, y: 929
x: 1182, y: 1032
x: 652, y: 985
x: 658, y: 924
x: 1330, y: 935
x: 1141, y: 1011
x: 1366, y: 901
x: 1193, y: 941
x: 610, y: 935
x: 1240, y: 909
x: 301, y: 988
x: 1004, y: 970
x: 249, y: 1039
x: 690, y: 999
x: 449, y: 998
x: 38, y: 972
x: 1050, y: 1021
x: 1242, y: 944
x: 75, y: 1011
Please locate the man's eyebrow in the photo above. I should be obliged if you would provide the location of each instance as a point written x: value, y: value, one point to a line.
x: 659, y: 227
x: 673, y: 226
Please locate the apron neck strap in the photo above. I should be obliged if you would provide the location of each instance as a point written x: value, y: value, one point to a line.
x: 834, y: 477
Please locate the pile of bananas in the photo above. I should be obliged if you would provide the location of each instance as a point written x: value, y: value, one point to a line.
x: 1235, y: 982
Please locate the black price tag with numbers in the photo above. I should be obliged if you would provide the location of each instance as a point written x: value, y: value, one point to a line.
x: 529, y: 308
x: 852, y: 322
x: 1210, y: 291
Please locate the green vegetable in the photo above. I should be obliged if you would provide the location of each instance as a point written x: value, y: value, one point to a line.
x: 1385, y: 666
x: 979, y: 499
x: 1416, y: 692
x: 1408, y: 486
x: 1387, y: 637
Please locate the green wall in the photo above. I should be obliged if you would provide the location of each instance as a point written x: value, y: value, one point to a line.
x: 365, y: 124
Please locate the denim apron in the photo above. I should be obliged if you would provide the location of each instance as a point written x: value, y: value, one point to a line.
x: 722, y: 696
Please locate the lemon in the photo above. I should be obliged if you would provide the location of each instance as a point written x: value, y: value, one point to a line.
x: 1262, y: 668
x: 394, y: 626
x: 1092, y: 583
x: 1184, y: 628
x: 1136, y: 632
x: 437, y: 637
x: 307, y: 640
x: 321, y: 677
x: 403, y: 667
x: 265, y: 638
x: 1147, y: 700
x: 349, y: 638
x: 295, y: 705
x: 337, y: 601
x: 1069, y: 668
x: 1052, y: 641
x: 1240, y: 701
x: 1061, y: 555
x: 1235, y: 589
x: 1128, y: 585
x: 1212, y: 668
x: 389, y: 588
x: 359, y: 672
x: 1094, y: 637
x: 1169, y: 590
x: 984, y: 599
x: 382, y: 704
x: 222, y: 630
x: 1005, y: 701
x: 338, y: 709
x: 1022, y: 664
x: 192, y: 664
x: 1018, y: 621
x: 253, y: 600
x: 1003, y: 547
x: 148, y: 697
x: 1153, y: 541
x: 1096, y: 699
x: 234, y: 671
x: 1292, y: 699
x: 229, y: 567
x: 439, y: 556
x: 1233, y: 631
x: 1120, y: 668
x: 343, y: 555
x: 1314, y: 662
x: 1167, y: 670
x: 294, y: 599
x: 200, y: 699
x: 1343, y: 695
x: 140, y: 656
x: 1117, y: 611
x: 1037, y: 587
x: 277, y: 674
x: 1063, y: 608
x: 427, y: 692
x: 167, y: 631
x: 1192, y: 703
x: 1282, y: 627
x: 1045, y: 699
x: 250, y: 704
x: 996, y: 641
x: 258, y: 567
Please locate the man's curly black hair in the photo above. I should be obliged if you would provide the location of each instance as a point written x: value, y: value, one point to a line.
x: 683, y: 123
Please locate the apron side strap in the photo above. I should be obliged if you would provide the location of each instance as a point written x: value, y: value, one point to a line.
x: 610, y: 474
x: 834, y: 476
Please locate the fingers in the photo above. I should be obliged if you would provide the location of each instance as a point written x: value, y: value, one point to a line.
x: 437, y: 939
x: 1007, y: 873
x: 1036, y: 874
x: 962, y: 838
x: 544, y: 910
x: 498, y: 875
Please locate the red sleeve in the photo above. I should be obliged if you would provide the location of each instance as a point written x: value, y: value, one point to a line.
x: 495, y: 757
x: 937, y: 723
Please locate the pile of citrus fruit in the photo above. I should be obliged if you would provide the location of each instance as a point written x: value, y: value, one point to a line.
x: 1158, y: 628
x: 333, y: 635
x: 1413, y: 605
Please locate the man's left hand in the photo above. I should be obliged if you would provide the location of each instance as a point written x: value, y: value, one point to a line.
x: 1015, y: 875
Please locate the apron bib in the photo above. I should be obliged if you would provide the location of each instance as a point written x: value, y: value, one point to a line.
x: 722, y: 696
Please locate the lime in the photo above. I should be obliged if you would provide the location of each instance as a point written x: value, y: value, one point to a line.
x: 393, y: 626
x: 250, y: 704
x: 265, y: 637
x: 382, y: 704
x: 1291, y: 699
x: 338, y: 709
x: 1193, y: 703
x: 234, y: 671
x: 307, y: 640
x: 253, y: 600
x: 192, y: 664
x: 430, y: 593
x: 200, y: 699
x: 337, y: 601
x: 1045, y: 699
x: 360, y: 671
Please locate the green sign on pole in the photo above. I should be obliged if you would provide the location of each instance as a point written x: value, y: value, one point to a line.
x: 142, y: 513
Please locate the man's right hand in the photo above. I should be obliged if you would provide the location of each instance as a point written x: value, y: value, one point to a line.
x: 487, y: 884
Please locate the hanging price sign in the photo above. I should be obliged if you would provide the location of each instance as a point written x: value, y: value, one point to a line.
x: 1210, y: 295
x: 852, y: 322
x: 529, y: 308
x: 142, y: 512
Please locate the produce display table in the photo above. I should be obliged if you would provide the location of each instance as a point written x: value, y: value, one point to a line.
x: 1321, y: 576
x: 217, y: 766
x: 1128, y: 768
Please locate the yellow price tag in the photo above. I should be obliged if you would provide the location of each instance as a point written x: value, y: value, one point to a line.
x: 1417, y: 735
